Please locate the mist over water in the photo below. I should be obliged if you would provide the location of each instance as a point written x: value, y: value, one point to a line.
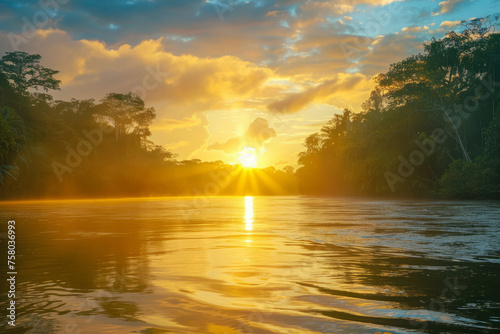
x: 256, y: 265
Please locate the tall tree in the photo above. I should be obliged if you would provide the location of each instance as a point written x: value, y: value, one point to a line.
x: 23, y: 71
x: 127, y: 113
x: 449, y: 88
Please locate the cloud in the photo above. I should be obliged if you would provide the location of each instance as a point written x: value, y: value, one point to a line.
x: 255, y: 136
x: 338, y: 7
x: 232, y: 145
x: 182, y: 135
x: 285, y: 56
x: 447, y: 7
x: 295, y: 102
x: 389, y: 49
x: 168, y: 124
x: 92, y: 68
x: 181, y: 85
x: 176, y: 145
x: 309, y: 126
x: 278, y: 13
x: 321, y: 51
x: 415, y: 29
x: 259, y: 132
x: 449, y: 24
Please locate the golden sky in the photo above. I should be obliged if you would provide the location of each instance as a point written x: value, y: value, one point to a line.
x: 223, y: 75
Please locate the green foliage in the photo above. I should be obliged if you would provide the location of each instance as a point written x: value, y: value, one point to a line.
x: 492, y: 137
x: 127, y: 113
x: 12, y: 136
x: 480, y: 178
x: 24, y: 71
x: 449, y: 87
x: 12, y: 132
x: 78, y: 148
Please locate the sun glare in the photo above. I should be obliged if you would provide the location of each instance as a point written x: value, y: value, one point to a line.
x: 248, y: 157
x: 248, y: 213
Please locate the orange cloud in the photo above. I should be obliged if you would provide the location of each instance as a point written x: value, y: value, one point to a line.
x: 339, y: 7
x: 449, y: 24
x: 447, y: 6
x: 91, y: 68
x: 414, y: 29
x: 342, y: 83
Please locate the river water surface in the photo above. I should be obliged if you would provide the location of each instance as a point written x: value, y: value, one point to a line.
x: 254, y: 265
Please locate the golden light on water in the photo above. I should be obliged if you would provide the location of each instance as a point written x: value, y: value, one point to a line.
x: 248, y: 157
x: 248, y: 213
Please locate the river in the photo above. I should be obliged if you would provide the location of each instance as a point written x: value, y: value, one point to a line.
x: 254, y: 265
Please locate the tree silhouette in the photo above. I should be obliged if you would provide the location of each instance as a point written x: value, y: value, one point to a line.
x: 127, y: 113
x: 24, y: 71
x: 450, y: 87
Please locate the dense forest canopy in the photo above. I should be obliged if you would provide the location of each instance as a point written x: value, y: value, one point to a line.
x: 88, y: 148
x: 430, y: 128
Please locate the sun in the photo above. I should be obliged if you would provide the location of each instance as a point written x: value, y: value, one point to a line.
x: 248, y: 157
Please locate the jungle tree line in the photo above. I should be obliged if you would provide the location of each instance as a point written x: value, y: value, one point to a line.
x: 431, y: 126
x: 87, y: 148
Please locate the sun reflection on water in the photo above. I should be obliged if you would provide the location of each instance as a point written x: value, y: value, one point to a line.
x: 248, y: 213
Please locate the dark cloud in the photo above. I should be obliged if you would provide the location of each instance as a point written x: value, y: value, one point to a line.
x: 130, y: 21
